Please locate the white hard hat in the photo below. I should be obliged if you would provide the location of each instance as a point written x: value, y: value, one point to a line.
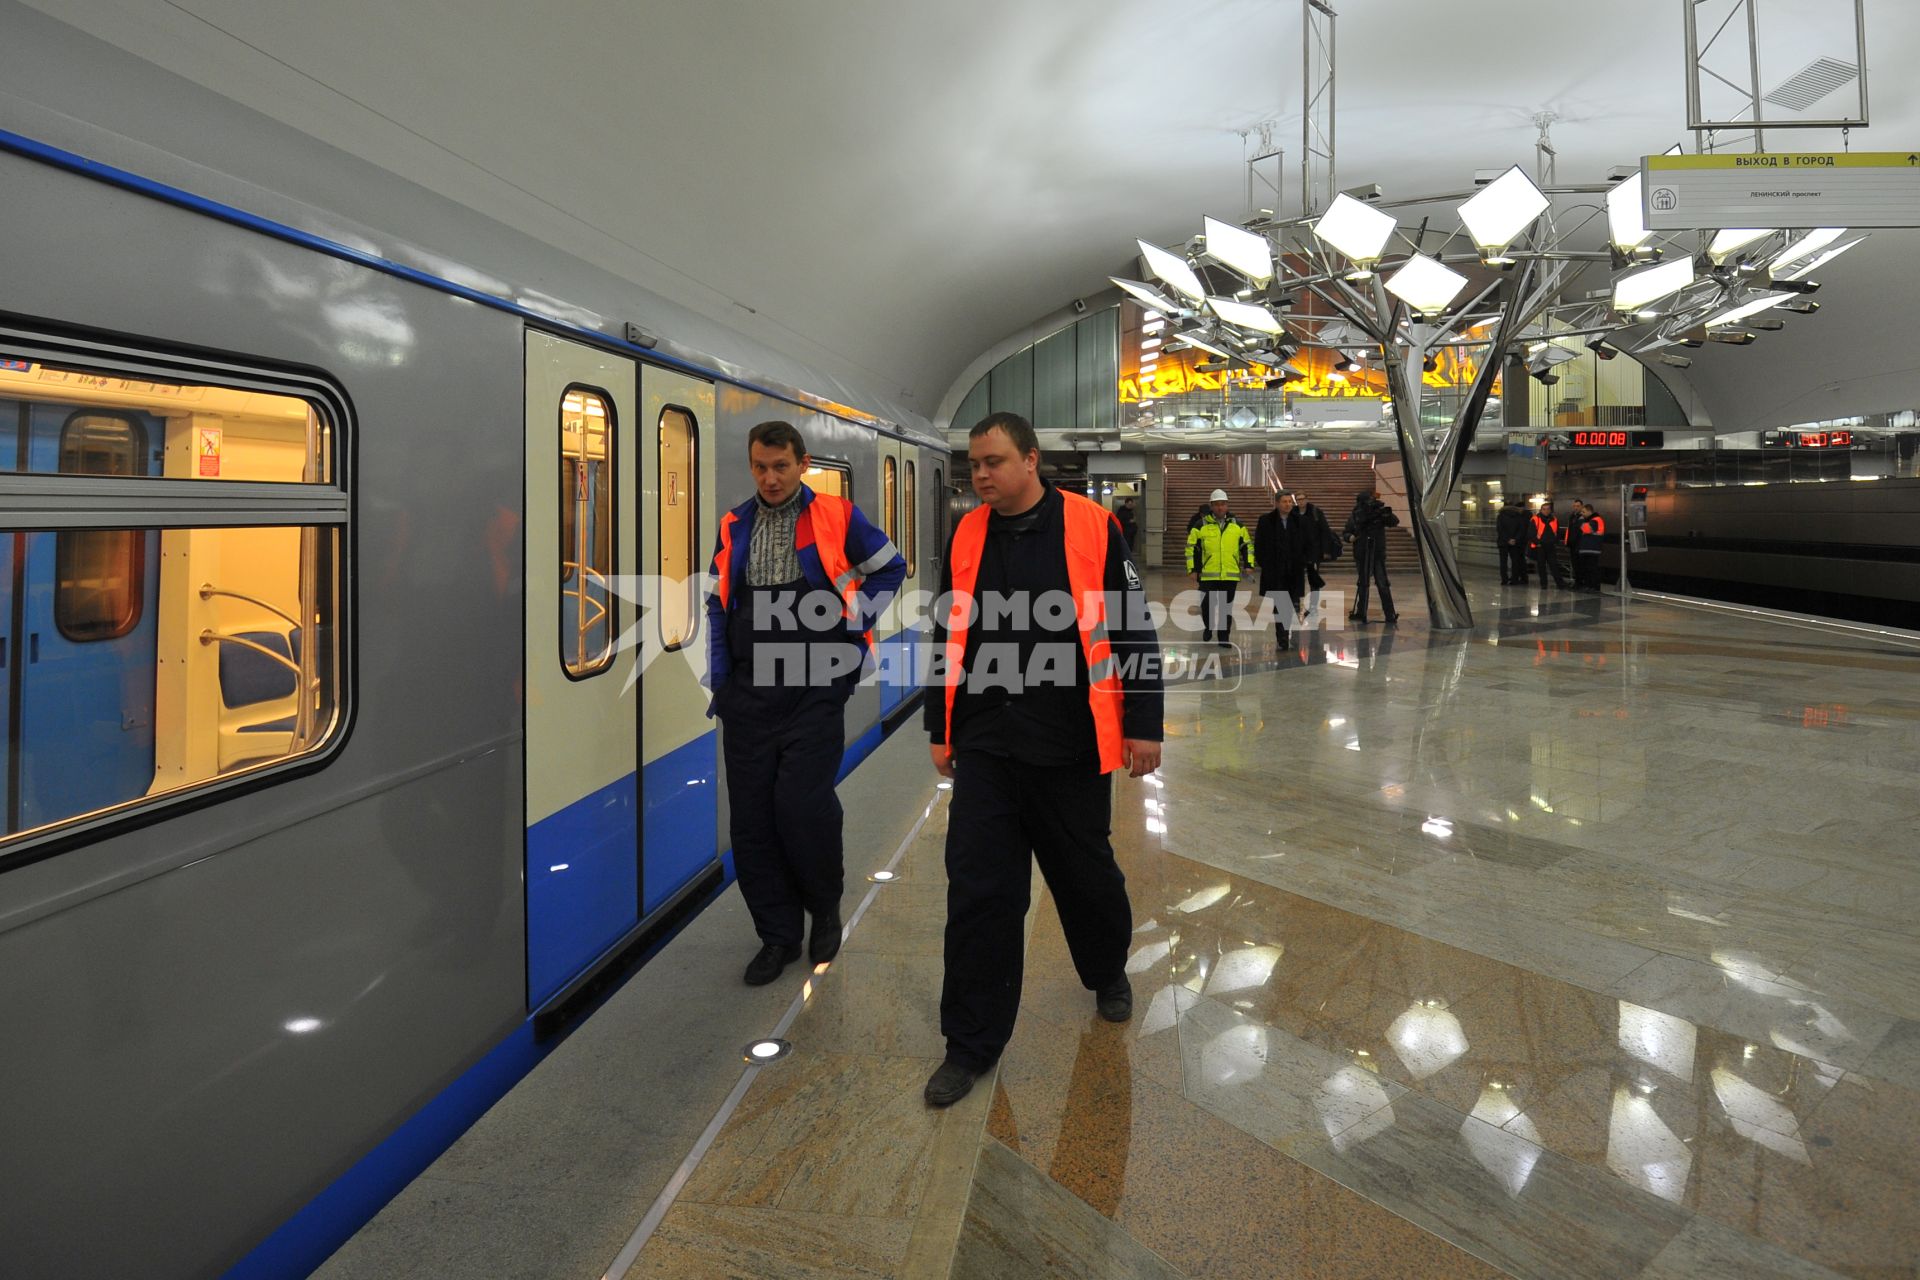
x: 1219, y: 495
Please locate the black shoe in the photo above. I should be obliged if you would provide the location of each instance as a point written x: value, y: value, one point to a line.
x: 1115, y: 1000
x: 824, y: 943
x: 767, y: 964
x: 952, y: 1082
x: 1391, y: 619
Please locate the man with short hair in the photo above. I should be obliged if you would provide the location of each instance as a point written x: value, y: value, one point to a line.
x: 1587, y: 538
x: 1285, y: 544
x: 1544, y: 539
x: 1218, y: 552
x: 1128, y: 528
x: 798, y: 579
x: 1049, y: 683
x: 1510, y: 531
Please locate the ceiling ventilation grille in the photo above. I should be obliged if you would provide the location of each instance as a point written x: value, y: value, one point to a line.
x: 1806, y: 87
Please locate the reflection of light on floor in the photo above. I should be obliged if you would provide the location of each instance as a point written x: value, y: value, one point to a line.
x: 1164, y: 1010
x: 1353, y: 1106
x: 1148, y: 956
x: 1641, y: 1149
x: 1236, y: 1055
x: 1441, y: 827
x: 1204, y: 899
x: 1507, y: 1156
x: 1427, y: 1037
x: 1497, y: 1107
x: 1335, y: 722
x: 1659, y: 1039
x: 1758, y: 1116
x: 1243, y: 970
x: 1353, y: 744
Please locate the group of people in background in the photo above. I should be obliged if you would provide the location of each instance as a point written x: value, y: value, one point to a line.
x: 1538, y: 536
x: 1287, y: 547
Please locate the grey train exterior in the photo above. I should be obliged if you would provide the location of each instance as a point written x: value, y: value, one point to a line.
x: 238, y: 1015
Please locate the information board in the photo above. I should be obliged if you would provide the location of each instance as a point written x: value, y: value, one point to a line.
x: 1858, y: 189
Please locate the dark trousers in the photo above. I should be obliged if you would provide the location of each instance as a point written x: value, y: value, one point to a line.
x: 784, y: 814
x: 1586, y: 570
x: 1216, y: 615
x: 1293, y: 587
x: 1513, y: 562
x: 1003, y: 810
x: 1371, y: 559
x: 1546, y: 559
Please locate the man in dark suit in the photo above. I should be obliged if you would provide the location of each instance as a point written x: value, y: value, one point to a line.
x: 1285, y: 545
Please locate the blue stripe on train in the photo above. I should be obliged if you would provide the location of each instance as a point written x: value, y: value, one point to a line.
x: 583, y: 889
x: 680, y: 816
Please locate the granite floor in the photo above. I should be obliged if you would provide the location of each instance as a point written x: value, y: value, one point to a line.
x: 1585, y: 944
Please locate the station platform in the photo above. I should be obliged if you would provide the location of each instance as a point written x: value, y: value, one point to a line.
x: 1585, y: 944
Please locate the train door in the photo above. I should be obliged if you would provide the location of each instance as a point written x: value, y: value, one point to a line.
x: 582, y: 715
x: 679, y: 750
x: 887, y: 635
x: 81, y: 644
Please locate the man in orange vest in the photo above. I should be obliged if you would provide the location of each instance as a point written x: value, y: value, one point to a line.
x: 1050, y: 681
x: 798, y: 579
x: 1545, y: 545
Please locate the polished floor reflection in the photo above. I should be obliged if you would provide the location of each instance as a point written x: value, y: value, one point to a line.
x: 1583, y: 945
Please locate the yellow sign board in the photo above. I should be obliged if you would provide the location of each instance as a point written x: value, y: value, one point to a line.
x: 1783, y: 189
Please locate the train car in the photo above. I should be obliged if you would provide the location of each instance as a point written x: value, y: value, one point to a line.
x: 349, y: 659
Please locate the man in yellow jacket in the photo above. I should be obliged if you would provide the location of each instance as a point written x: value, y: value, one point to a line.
x: 1218, y: 552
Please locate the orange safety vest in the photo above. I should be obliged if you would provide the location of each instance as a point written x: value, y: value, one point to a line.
x: 823, y: 526
x: 1540, y: 528
x: 1599, y: 524
x: 1087, y: 526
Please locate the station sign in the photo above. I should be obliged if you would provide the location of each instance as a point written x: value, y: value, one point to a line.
x: 1828, y: 189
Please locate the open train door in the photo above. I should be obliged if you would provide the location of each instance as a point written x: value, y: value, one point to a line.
x: 582, y: 709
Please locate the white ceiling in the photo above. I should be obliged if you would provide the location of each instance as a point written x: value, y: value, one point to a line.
x: 885, y: 188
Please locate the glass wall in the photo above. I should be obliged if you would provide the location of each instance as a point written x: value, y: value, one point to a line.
x: 1064, y: 382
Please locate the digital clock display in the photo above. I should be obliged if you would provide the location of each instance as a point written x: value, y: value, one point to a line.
x: 1618, y: 439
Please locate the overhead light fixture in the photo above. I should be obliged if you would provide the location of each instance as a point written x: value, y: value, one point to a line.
x: 1801, y: 306
x: 1426, y: 284
x: 1635, y: 290
x: 1246, y: 315
x: 1172, y: 271
x: 1801, y: 273
x: 1734, y: 315
x: 1626, y: 211
x: 1147, y: 294
x: 1430, y: 364
x: 1547, y: 354
x: 1544, y: 378
x: 1739, y: 338
x: 1678, y: 362
x: 1496, y: 216
x: 1241, y: 250
x: 1770, y: 324
x: 1798, y: 284
x: 1356, y: 231
x: 1731, y: 241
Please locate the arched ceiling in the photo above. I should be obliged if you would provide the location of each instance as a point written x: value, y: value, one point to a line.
x: 885, y: 188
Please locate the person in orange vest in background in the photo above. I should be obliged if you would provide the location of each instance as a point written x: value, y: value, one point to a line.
x: 1544, y: 541
x: 798, y: 579
x: 1050, y: 682
x: 1588, y: 538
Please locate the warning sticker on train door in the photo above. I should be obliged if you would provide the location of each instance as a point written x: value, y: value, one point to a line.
x: 208, y: 450
x: 672, y: 488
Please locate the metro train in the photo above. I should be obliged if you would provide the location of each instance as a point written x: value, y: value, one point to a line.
x: 354, y: 736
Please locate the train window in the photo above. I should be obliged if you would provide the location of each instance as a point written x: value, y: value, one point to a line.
x: 679, y: 526
x: 99, y: 573
x: 890, y: 498
x: 911, y: 546
x: 157, y: 639
x: 829, y: 476
x: 195, y: 431
x: 586, y: 531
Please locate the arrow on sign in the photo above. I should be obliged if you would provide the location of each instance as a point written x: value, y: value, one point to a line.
x: 1913, y: 159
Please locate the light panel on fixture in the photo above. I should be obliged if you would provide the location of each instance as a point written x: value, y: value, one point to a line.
x: 1146, y: 294
x: 1731, y: 241
x: 1426, y: 284
x: 1636, y: 290
x: 1245, y: 252
x: 1194, y: 340
x: 1626, y: 210
x: 1755, y: 306
x: 1501, y: 211
x: 1246, y: 315
x: 1172, y: 271
x: 1355, y: 229
x: 1807, y: 245
x: 1801, y: 273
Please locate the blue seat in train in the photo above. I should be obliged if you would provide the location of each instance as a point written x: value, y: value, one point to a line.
x: 249, y: 677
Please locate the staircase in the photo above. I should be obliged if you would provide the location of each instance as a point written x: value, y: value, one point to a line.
x: 1330, y: 484
x: 1188, y: 486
